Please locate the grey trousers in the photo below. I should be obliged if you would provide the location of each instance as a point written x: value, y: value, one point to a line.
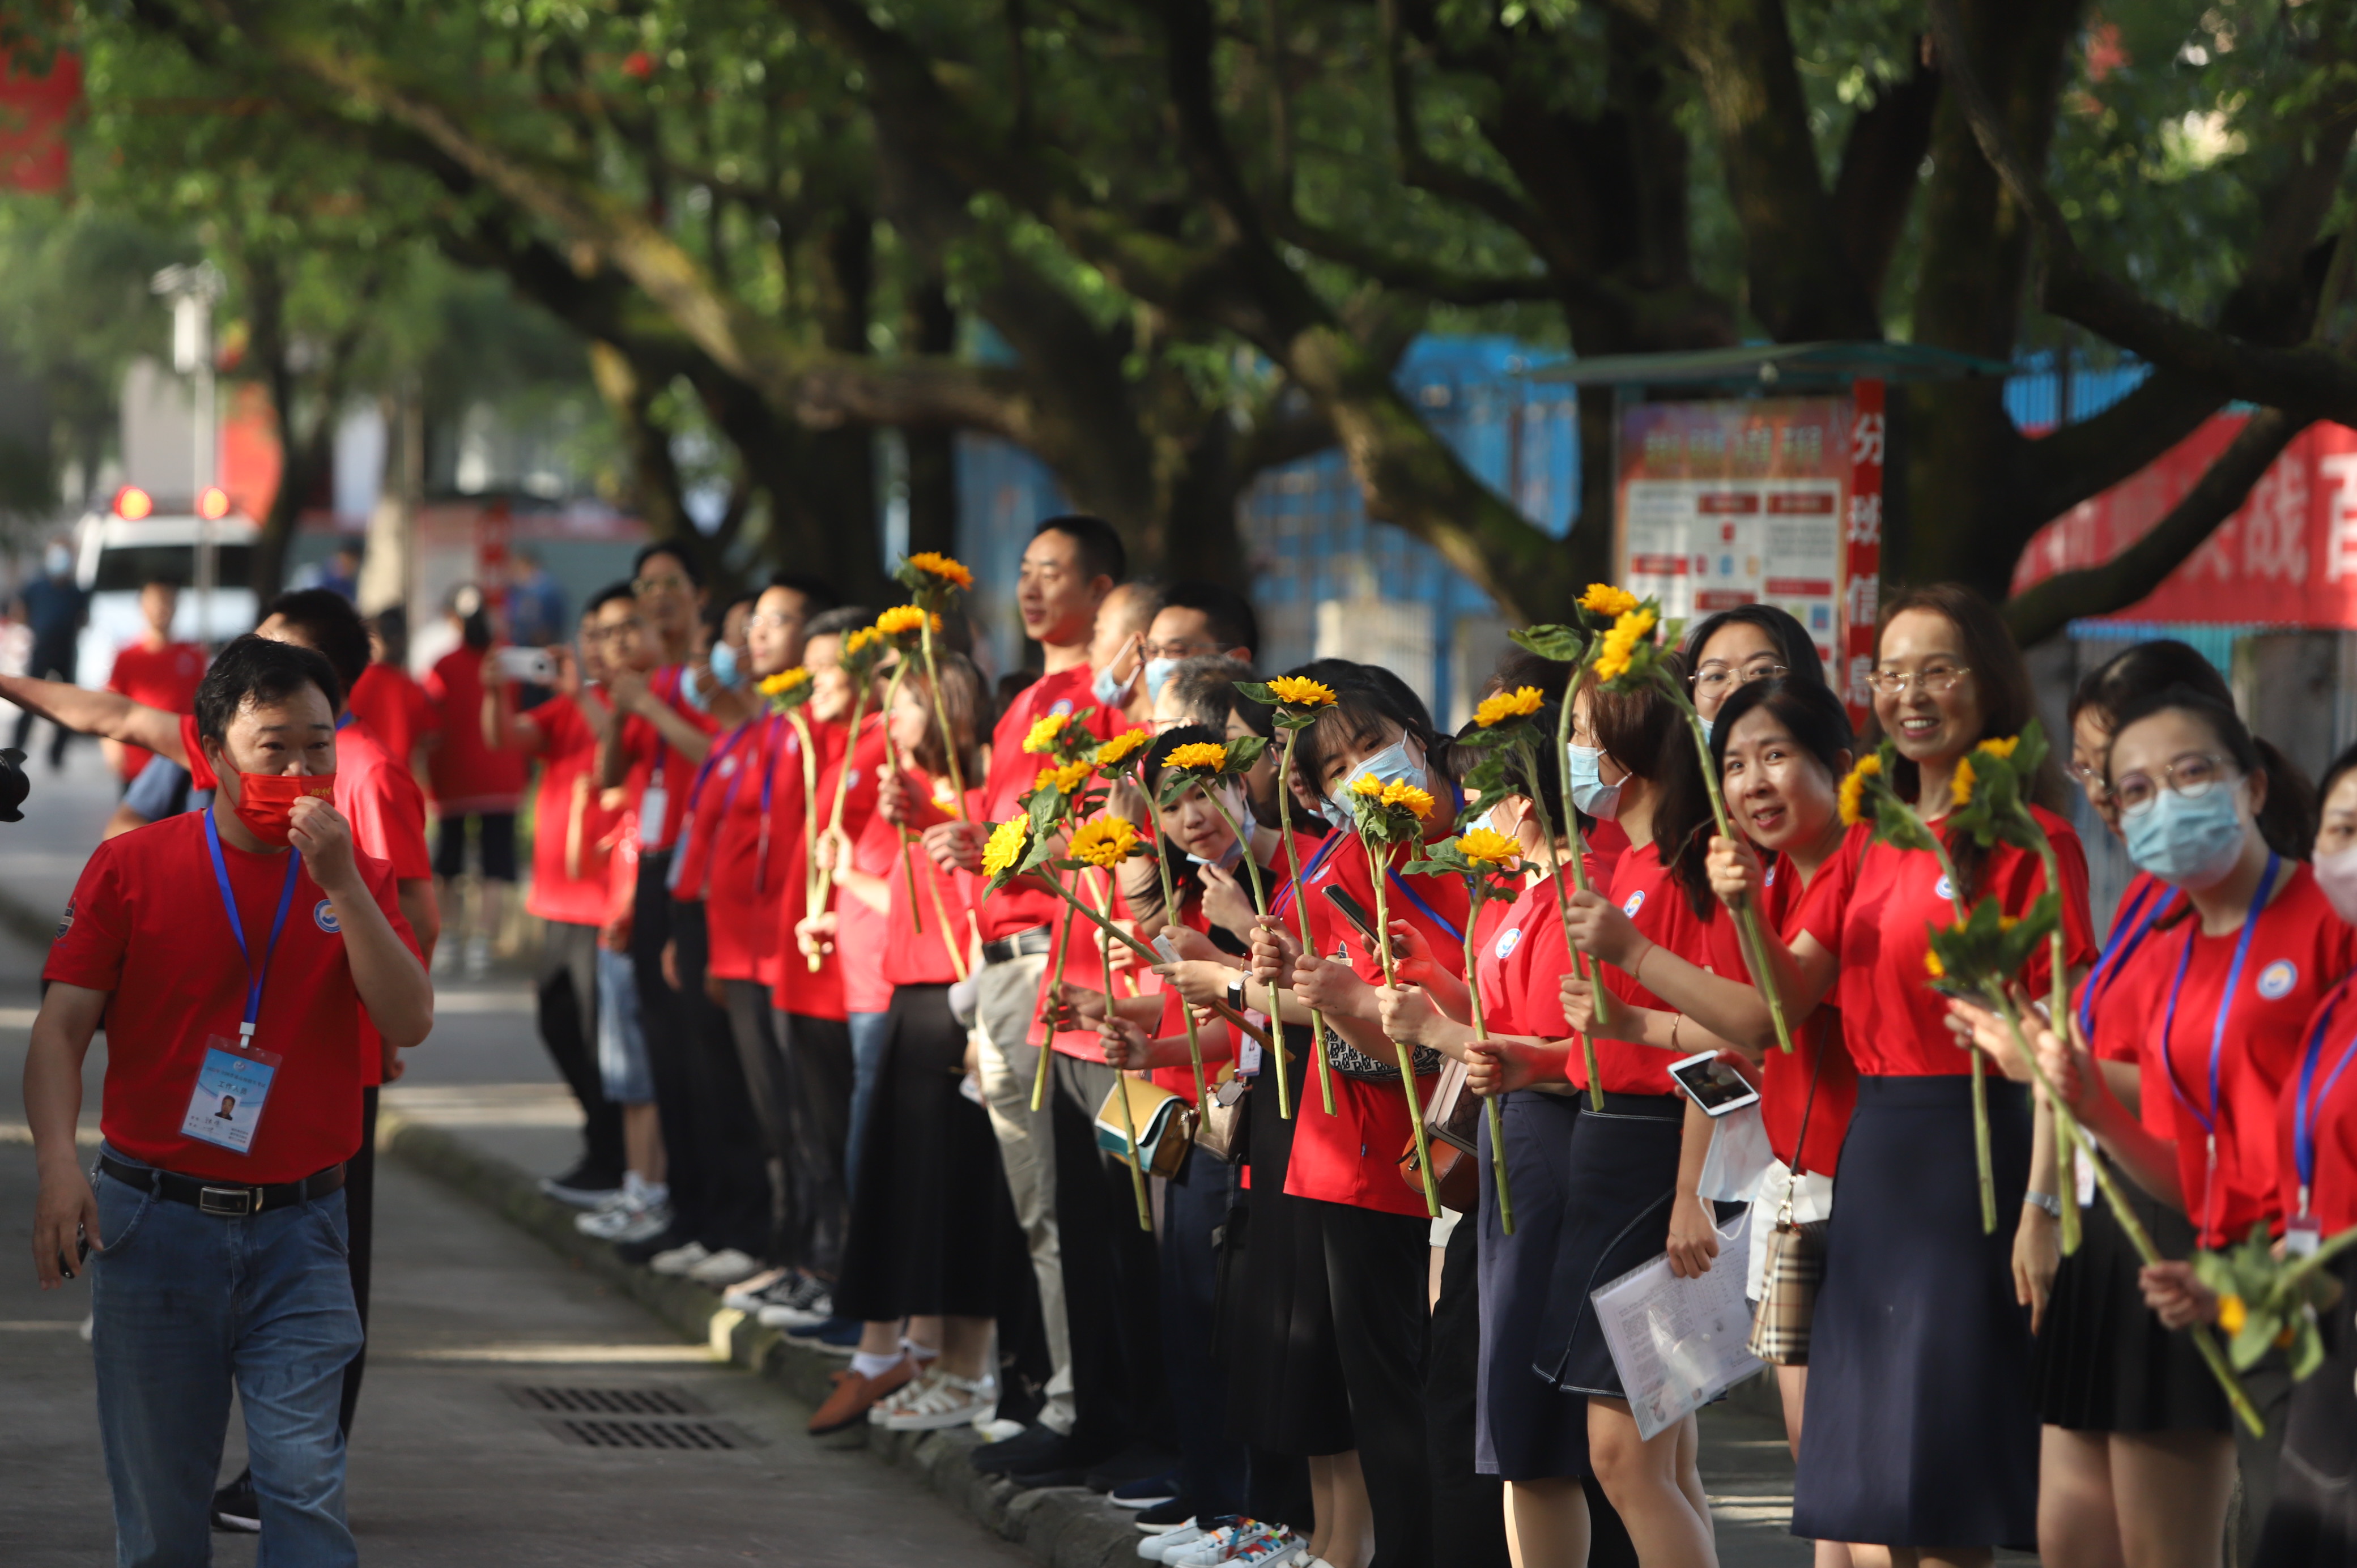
x: 1006, y: 996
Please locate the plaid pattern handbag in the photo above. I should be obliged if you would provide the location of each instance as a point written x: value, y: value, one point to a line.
x: 1796, y: 1264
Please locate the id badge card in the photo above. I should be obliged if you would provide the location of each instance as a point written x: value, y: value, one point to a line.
x: 2302, y: 1237
x: 233, y: 1087
x: 654, y: 806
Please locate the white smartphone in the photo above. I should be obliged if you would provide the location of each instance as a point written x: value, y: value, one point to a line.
x: 1712, y: 1084
x: 1165, y: 946
x: 530, y: 665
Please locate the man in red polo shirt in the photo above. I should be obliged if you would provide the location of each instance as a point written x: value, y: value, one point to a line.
x: 232, y: 1101
x: 154, y: 670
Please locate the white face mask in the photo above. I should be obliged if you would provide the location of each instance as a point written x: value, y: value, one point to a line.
x: 1402, y: 762
x: 2336, y: 874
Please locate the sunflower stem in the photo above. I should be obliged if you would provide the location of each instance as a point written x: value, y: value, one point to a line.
x: 1260, y: 908
x: 1489, y: 1104
x: 1301, y: 909
x: 1406, y: 1058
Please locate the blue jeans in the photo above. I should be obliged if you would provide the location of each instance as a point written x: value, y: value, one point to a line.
x: 870, y: 1032
x: 184, y: 1304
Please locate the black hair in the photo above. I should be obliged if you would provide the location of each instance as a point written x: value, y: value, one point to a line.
x: 839, y: 621
x: 2342, y: 764
x: 1185, y: 876
x: 1205, y: 687
x: 1228, y: 617
x: 677, y: 552
x: 1534, y: 774
x: 1518, y: 667
x: 1366, y: 698
x: 1097, y: 545
x: 1812, y: 715
x: 160, y: 581
x: 2136, y: 673
x: 2298, y: 823
x: 251, y: 669
x: 1793, y: 644
x: 818, y: 594
x: 606, y: 596
x: 390, y: 624
x: 330, y: 623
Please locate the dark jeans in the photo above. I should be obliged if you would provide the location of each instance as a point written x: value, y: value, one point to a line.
x: 567, y: 991
x: 798, y: 1073
x: 1376, y: 1266
x: 734, y: 1203
x: 360, y: 1218
x: 1111, y: 1277
x: 1213, y: 1469
x: 53, y: 658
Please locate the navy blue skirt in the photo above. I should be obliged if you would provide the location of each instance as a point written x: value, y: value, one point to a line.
x: 1621, y: 1176
x: 1524, y: 1430
x: 1919, y: 1428
x: 2313, y: 1523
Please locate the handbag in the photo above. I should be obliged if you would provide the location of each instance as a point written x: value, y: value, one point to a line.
x: 1163, y: 1132
x: 1796, y: 1264
x: 1452, y: 1120
x: 1218, y: 1129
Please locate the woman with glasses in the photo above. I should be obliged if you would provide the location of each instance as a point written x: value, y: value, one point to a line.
x: 2240, y: 978
x: 1750, y: 642
x: 1919, y: 1435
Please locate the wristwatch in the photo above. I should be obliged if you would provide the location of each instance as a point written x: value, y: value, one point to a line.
x: 1236, y: 993
x: 2045, y: 1200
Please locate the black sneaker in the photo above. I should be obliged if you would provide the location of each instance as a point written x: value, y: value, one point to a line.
x: 1028, y: 1449
x: 582, y: 1186
x: 236, y: 1510
x: 1165, y: 1515
x: 1133, y: 1465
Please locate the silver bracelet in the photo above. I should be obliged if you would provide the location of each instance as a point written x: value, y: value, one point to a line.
x: 2045, y: 1200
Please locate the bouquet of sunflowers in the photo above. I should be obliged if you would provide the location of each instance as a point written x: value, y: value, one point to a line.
x: 1299, y: 702
x: 1491, y: 864
x: 1388, y: 815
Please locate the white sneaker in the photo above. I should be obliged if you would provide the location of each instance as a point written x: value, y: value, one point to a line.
x: 725, y: 1267
x: 478, y: 956
x: 939, y: 1399
x: 1248, y: 1544
x: 805, y: 1304
x: 1162, y: 1543
x: 679, y: 1259
x: 647, y: 1224
x: 748, y: 1296
x: 644, y: 1211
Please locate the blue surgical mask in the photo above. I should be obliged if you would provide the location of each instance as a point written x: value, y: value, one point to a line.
x: 1157, y: 671
x: 1395, y: 764
x: 1706, y: 731
x: 57, y: 561
x: 724, y: 663
x: 1588, y: 790
x: 2187, y: 843
x: 1111, y: 692
x: 1227, y: 858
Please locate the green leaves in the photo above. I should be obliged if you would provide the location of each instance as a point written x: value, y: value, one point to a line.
x: 1994, y: 784
x: 1988, y: 948
x: 1237, y: 757
x: 2266, y: 1301
x: 1564, y: 644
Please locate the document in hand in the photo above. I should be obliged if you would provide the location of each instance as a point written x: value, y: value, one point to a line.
x: 1678, y: 1344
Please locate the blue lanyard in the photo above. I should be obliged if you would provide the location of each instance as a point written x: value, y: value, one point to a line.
x: 237, y: 926
x: 2307, y: 1108
x: 2127, y: 936
x: 1429, y: 912
x: 346, y: 720
x: 2225, y: 1001
x: 769, y: 777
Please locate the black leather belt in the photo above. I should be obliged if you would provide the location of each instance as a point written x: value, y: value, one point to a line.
x: 224, y: 1198
x: 1022, y: 944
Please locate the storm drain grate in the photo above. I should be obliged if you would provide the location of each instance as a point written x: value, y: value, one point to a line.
x: 654, y: 1401
x: 674, y: 1436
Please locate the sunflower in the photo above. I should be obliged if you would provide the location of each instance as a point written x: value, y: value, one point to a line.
x: 1519, y: 703
x: 1416, y: 800
x: 1369, y: 786
x: 1960, y: 788
x: 1067, y: 778
x: 1932, y: 963
x: 1008, y: 840
x: 1487, y: 847
x: 1118, y: 750
x: 785, y: 681
x: 1853, y: 789
x: 2232, y: 1314
x: 902, y: 619
x: 1044, y: 734
x: 1621, y: 644
x: 1604, y: 599
x: 1201, y: 756
x: 1301, y: 692
x: 934, y: 563
x: 1105, y: 842
x: 2001, y: 748
x: 861, y: 640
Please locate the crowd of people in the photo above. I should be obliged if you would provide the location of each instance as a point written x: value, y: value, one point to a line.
x: 884, y: 1091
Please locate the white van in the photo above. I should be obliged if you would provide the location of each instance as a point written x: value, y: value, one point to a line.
x: 130, y: 545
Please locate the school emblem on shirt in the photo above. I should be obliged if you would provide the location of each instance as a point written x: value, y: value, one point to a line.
x: 65, y: 922
x: 323, y: 915
x: 1636, y: 902
x: 727, y: 765
x: 1062, y: 705
x: 1943, y: 889
x: 1508, y: 939
x: 2277, y: 979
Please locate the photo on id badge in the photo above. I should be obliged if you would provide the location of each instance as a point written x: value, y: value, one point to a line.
x: 232, y: 1086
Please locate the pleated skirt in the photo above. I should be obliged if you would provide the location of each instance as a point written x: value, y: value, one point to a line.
x: 1919, y: 1428
x: 1524, y: 1430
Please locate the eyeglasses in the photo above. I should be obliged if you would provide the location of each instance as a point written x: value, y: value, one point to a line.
x: 1715, y: 680
x: 1939, y: 680
x: 772, y: 619
x: 671, y: 583
x: 1175, y: 649
x: 2191, y: 775
x: 2089, y: 775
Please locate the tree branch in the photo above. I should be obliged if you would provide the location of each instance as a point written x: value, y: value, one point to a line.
x: 1882, y: 158
x: 2041, y: 611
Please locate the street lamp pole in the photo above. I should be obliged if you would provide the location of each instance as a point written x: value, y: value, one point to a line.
x: 192, y: 288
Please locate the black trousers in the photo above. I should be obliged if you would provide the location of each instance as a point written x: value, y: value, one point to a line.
x: 360, y: 1218
x: 53, y: 657
x: 566, y: 1004
x: 818, y: 1200
x: 1111, y: 1277
x: 734, y: 1198
x: 1212, y: 1468
x: 668, y: 1056
x: 1376, y: 1266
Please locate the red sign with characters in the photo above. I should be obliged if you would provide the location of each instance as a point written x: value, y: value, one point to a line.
x: 2286, y: 557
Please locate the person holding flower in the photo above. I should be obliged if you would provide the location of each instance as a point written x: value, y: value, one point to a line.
x: 1374, y: 1231
x: 1918, y: 1433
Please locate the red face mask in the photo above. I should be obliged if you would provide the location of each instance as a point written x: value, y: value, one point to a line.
x: 266, y: 802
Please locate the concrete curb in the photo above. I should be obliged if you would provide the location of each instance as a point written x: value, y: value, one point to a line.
x: 1065, y: 1527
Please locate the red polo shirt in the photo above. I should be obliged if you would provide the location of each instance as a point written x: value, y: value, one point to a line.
x: 165, y: 677
x: 394, y: 706
x: 656, y: 762
x: 148, y: 910
x: 861, y: 932
x: 470, y: 778
x: 570, y: 879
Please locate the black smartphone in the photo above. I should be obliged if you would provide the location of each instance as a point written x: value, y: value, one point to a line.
x: 1356, y: 913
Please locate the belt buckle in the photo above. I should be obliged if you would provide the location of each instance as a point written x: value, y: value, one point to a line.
x: 232, y: 1202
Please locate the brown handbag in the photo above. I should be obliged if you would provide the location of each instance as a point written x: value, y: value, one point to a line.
x: 1795, y: 1265
x: 1218, y: 1126
x: 1452, y: 1120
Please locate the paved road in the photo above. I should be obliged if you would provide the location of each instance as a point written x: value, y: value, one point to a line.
x: 447, y: 1467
